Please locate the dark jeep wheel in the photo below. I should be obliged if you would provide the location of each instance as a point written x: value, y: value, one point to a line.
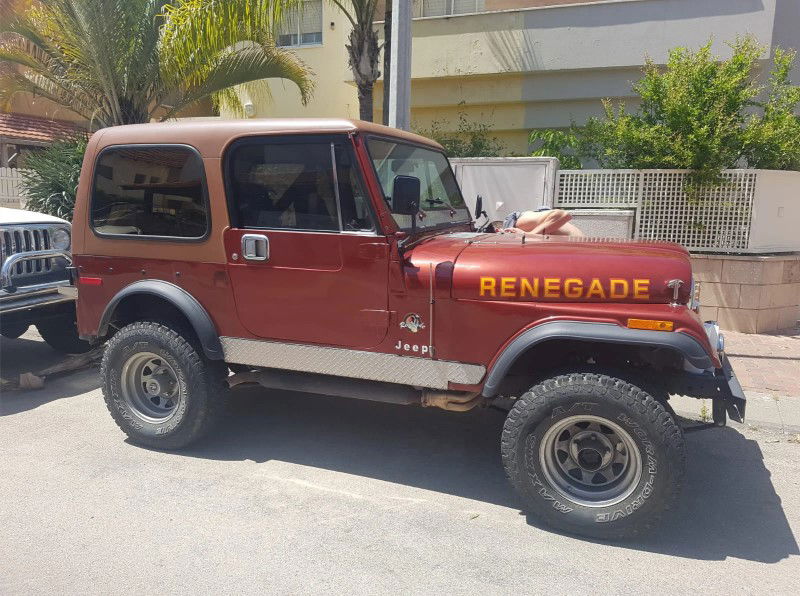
x: 61, y: 333
x: 158, y: 387
x: 593, y: 455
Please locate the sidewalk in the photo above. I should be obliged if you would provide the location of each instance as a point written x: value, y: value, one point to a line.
x: 768, y: 367
x: 767, y: 363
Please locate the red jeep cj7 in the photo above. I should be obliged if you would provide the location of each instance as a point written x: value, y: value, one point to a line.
x: 337, y: 257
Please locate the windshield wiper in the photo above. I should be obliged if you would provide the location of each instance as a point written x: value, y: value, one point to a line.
x: 438, y: 201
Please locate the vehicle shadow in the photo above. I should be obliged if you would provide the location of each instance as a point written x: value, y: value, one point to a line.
x: 30, y: 353
x: 728, y: 508
x: 25, y: 354
x: 59, y: 387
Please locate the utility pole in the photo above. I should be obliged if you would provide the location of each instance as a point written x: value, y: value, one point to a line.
x: 400, y: 67
x: 387, y: 58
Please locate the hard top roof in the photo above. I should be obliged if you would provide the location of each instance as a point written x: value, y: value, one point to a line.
x: 210, y: 136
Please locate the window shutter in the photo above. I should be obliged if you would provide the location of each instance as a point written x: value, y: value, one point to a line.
x: 435, y: 8
x: 311, y: 19
x: 465, y: 6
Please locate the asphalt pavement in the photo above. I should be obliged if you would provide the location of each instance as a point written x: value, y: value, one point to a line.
x: 298, y: 493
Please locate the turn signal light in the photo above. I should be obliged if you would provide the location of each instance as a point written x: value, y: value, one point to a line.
x: 650, y: 324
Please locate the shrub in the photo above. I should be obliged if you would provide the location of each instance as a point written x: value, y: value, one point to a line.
x: 50, y: 177
x: 471, y: 139
x: 558, y: 143
x: 699, y: 113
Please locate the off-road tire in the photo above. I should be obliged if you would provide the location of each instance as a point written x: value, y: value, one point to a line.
x: 61, y: 334
x: 552, y: 404
x: 201, y: 382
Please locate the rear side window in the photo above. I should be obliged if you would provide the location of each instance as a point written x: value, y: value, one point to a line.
x: 150, y: 191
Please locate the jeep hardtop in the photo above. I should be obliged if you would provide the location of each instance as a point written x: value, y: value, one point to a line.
x: 338, y: 257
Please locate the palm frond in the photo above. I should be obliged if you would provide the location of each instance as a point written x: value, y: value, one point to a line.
x: 249, y: 64
x: 118, y: 61
x: 198, y: 35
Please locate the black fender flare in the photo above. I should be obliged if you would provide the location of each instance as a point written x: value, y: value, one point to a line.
x: 682, y: 343
x: 198, y: 318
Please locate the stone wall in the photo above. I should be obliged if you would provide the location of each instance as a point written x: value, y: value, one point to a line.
x: 751, y: 294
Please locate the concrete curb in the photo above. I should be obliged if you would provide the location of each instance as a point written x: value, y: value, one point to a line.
x: 763, y: 410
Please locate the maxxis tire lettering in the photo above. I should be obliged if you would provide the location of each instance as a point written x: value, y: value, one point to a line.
x: 540, y: 487
x: 647, y: 488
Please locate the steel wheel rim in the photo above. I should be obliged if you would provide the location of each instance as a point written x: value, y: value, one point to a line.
x: 590, y: 461
x: 150, y: 387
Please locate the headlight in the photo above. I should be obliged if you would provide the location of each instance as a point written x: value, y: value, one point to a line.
x: 694, y: 295
x: 59, y: 239
x: 715, y: 338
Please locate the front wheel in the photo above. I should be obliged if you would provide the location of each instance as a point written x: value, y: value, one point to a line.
x: 593, y: 455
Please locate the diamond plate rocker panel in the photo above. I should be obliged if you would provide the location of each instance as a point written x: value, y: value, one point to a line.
x: 373, y: 366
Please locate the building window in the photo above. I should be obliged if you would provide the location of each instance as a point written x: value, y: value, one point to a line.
x: 13, y: 155
x: 125, y: 203
x: 439, y: 8
x: 303, y: 26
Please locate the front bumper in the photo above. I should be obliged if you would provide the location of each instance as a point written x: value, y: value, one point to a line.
x: 734, y: 397
x: 25, y: 300
x: 15, y: 297
x: 720, y: 385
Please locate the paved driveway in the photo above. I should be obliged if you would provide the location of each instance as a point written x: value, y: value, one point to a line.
x: 298, y: 493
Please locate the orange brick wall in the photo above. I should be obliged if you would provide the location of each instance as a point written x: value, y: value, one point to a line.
x: 751, y: 294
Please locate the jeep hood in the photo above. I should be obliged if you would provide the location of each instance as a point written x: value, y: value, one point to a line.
x: 561, y: 269
x: 9, y: 216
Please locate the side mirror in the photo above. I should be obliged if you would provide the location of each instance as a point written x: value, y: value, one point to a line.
x: 405, y: 195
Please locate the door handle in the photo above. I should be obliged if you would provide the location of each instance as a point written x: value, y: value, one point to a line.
x: 255, y: 247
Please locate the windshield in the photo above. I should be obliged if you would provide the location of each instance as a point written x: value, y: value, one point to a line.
x: 440, y: 198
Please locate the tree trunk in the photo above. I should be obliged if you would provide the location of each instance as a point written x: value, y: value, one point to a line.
x: 387, y: 58
x: 364, y: 55
x: 365, y: 105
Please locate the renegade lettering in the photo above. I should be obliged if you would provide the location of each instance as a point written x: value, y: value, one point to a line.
x: 571, y: 288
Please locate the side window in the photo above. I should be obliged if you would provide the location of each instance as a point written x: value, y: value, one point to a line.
x: 150, y: 191
x: 286, y: 185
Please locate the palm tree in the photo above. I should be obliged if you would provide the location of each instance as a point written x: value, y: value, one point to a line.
x: 363, y: 51
x: 128, y: 61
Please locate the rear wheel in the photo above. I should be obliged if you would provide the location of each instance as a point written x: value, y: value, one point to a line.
x: 593, y: 455
x: 159, y: 389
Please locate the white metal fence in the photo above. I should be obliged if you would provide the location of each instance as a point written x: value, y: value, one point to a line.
x: 714, y: 218
x: 10, y: 194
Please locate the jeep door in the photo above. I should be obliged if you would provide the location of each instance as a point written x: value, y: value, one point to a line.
x: 304, y: 256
